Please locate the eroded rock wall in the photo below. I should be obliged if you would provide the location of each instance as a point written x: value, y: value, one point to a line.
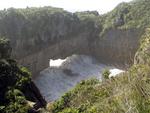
x: 40, y: 34
x: 117, y: 46
x: 40, y: 60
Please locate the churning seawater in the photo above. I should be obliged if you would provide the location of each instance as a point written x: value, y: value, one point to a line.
x: 64, y: 74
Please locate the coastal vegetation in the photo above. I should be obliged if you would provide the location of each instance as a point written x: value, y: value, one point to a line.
x: 126, y: 93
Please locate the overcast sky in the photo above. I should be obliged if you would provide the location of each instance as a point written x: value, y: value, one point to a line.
x: 102, y: 6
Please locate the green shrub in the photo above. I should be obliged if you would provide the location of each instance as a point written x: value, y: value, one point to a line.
x: 70, y: 110
x: 5, y: 49
x: 16, y: 102
x: 105, y: 74
x: 12, y: 83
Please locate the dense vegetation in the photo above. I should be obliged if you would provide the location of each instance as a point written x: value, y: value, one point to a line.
x: 5, y: 49
x: 143, y: 54
x: 29, y: 22
x: 38, y: 22
x: 134, y: 14
x: 13, y: 79
x: 12, y: 82
x: 46, y: 21
x: 16, y: 87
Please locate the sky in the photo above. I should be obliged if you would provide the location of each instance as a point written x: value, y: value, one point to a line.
x: 102, y: 6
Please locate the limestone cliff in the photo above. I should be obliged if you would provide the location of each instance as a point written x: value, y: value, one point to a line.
x: 117, y: 46
x: 53, y: 33
x: 39, y: 34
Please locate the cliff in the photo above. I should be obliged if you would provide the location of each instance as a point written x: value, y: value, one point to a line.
x: 117, y: 47
x: 51, y: 33
x: 40, y: 34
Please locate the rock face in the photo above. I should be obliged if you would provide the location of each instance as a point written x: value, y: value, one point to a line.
x: 40, y: 60
x: 32, y: 93
x: 117, y: 47
x: 38, y: 35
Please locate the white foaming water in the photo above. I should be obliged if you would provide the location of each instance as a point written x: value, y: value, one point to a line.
x: 114, y: 72
x: 64, y: 74
x: 56, y: 63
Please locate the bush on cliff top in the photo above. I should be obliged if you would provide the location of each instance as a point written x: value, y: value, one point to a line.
x: 143, y: 54
x: 13, y: 79
x: 12, y: 83
x: 5, y: 49
x: 134, y: 14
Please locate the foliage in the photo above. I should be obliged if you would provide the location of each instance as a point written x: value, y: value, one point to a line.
x: 134, y: 14
x: 70, y: 110
x: 127, y: 92
x: 143, y: 54
x: 17, y: 102
x: 106, y: 74
x: 5, y: 48
x: 12, y: 83
x: 89, y: 21
x: 34, y: 22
